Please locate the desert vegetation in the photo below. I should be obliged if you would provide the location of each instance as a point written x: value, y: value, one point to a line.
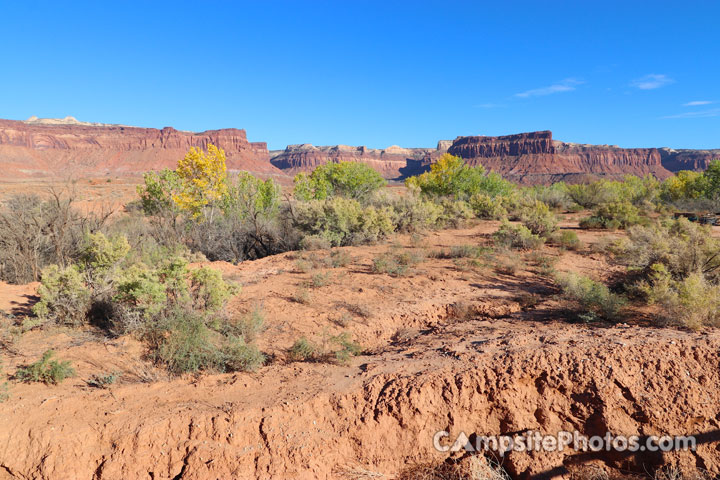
x: 163, y: 272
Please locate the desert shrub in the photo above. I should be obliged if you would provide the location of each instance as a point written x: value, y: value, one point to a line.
x: 343, y: 221
x: 338, y: 348
x: 340, y: 258
x: 683, y: 247
x: 46, y: 370
x: 485, y: 206
x: 36, y: 232
x: 395, y: 264
x: 590, y: 195
x: 64, y: 297
x: 554, y: 196
x: 103, y: 380
x: 412, y: 213
x: 237, y: 355
x: 507, y: 263
x: 353, y: 180
x: 612, y: 216
x: 315, y: 242
x: 465, y: 251
x: 247, y: 326
x: 181, y: 341
x: 302, y: 295
x: 208, y: 289
x: 320, y: 279
x: 593, y: 299
x: 516, y: 236
x: 4, y: 388
x: 302, y: 350
x: 538, y: 218
x: 567, y: 239
x: 346, y: 347
x: 233, y: 237
x: 691, y: 301
x: 454, y: 213
x: 451, y: 176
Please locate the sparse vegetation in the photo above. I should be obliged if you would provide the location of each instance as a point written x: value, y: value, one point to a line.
x: 338, y: 349
x: 593, y: 299
x: 46, y: 370
x: 516, y: 236
x: 395, y: 264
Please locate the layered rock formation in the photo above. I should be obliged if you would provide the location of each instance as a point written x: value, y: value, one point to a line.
x: 68, y: 148
x: 534, y: 157
x: 676, y: 160
x: 393, y: 162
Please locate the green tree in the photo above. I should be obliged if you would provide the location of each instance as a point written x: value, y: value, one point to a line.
x: 451, y: 176
x: 347, y: 179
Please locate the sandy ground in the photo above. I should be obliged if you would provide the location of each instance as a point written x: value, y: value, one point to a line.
x: 449, y: 346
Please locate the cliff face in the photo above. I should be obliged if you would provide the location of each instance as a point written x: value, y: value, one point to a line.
x: 68, y: 148
x: 534, y: 157
x: 676, y: 160
x: 393, y: 162
x: 71, y: 148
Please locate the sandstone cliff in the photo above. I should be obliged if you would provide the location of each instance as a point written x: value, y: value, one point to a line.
x: 68, y: 148
x: 534, y: 157
x: 393, y: 162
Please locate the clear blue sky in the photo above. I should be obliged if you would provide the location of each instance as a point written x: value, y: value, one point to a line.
x: 633, y: 73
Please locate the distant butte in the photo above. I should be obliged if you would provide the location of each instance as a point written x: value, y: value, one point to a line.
x: 40, y: 147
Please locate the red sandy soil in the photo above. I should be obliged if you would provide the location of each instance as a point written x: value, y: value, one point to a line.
x: 446, y: 347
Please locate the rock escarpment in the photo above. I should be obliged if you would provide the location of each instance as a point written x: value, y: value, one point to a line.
x: 534, y: 157
x: 68, y: 148
x: 392, y: 162
x: 42, y: 148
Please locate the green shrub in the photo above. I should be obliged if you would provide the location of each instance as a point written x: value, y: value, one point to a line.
x: 342, y: 221
x: 485, y: 206
x: 466, y: 251
x: 395, y: 264
x: 539, y: 219
x: 181, y: 341
x: 320, y: 279
x: 338, y: 348
x: 412, y: 213
x: 691, y: 301
x: 612, y: 216
x: 46, y: 370
x: 103, y: 381
x: 454, y: 213
x: 554, y: 196
x: 451, y: 176
x: 594, y: 299
x: 64, y: 298
x: 347, y: 348
x: 353, y: 180
x: 239, y: 356
x: 683, y: 247
x: 516, y: 236
x: 567, y: 239
x: 302, y: 350
x: 209, y: 291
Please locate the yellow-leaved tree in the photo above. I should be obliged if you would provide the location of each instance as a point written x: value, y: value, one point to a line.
x: 203, y: 181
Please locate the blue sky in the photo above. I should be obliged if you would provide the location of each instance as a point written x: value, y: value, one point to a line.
x: 632, y: 73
